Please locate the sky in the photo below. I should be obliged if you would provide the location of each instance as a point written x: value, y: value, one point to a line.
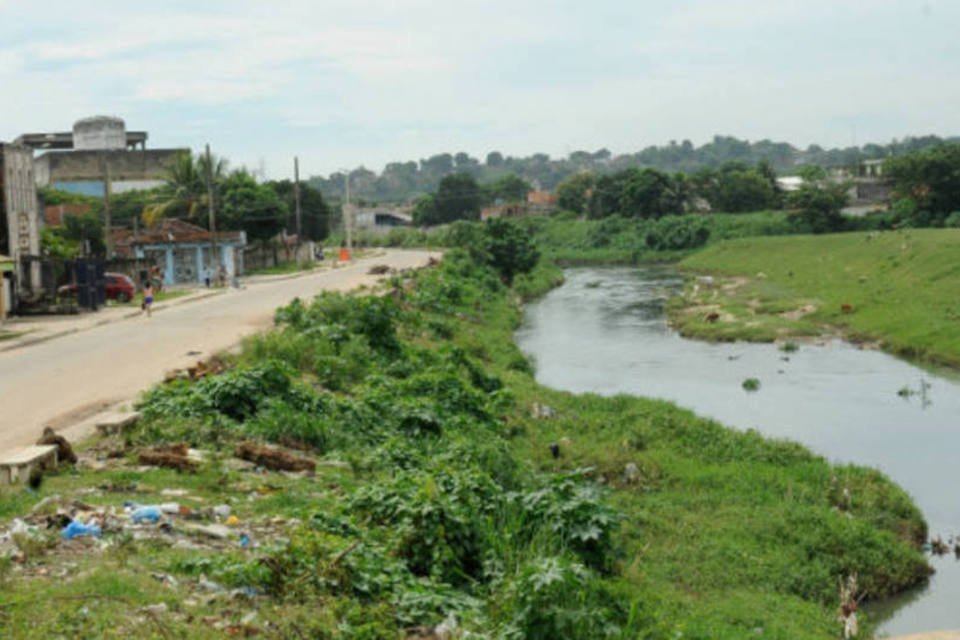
x: 344, y: 83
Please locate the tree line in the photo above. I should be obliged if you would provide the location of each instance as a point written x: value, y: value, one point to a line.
x: 925, y: 186
x: 405, y: 181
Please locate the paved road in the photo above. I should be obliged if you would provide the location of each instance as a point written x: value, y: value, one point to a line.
x: 60, y: 381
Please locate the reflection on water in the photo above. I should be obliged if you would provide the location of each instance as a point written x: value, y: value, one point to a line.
x: 604, y: 331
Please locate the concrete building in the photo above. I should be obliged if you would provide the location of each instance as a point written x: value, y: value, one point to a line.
x: 81, y: 160
x: 19, y: 217
x: 381, y: 219
x: 182, y: 250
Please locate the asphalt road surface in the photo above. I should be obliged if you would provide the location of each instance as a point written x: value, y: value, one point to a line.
x: 68, y: 378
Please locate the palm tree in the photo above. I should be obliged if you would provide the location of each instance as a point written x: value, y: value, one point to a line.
x: 185, y: 192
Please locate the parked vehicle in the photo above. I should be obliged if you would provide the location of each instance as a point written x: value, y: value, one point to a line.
x: 117, y: 286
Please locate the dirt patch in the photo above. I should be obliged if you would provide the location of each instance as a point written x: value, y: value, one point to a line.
x: 733, y: 284
x: 797, y: 314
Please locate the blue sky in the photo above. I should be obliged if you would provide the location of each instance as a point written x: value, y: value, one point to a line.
x: 348, y: 82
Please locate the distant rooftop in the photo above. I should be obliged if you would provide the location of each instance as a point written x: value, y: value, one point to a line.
x: 64, y: 140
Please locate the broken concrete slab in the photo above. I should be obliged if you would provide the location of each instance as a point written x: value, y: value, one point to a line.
x: 16, y: 465
x: 116, y: 421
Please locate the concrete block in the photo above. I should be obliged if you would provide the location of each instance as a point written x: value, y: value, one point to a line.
x: 116, y: 421
x: 15, y: 466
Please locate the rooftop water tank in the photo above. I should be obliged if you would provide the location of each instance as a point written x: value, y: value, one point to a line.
x: 100, y: 132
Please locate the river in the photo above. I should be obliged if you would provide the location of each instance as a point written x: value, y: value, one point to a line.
x: 604, y: 331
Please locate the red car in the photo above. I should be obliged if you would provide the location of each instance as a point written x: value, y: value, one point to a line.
x: 117, y: 286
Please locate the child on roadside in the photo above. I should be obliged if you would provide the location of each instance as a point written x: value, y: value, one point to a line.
x: 147, y: 298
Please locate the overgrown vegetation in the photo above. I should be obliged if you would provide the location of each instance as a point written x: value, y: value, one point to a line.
x: 440, y: 497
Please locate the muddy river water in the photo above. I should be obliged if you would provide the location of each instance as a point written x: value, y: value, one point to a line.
x: 604, y: 331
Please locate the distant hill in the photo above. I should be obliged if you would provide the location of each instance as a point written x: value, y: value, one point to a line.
x: 404, y: 181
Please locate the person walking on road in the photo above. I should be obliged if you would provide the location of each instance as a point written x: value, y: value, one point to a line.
x: 147, y: 298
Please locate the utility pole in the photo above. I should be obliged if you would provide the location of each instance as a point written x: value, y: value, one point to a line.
x: 296, y: 198
x: 107, y: 240
x: 348, y: 214
x: 214, y: 259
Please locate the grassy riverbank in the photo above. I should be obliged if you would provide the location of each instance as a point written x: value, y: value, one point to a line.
x: 898, y: 288
x: 449, y: 484
x: 566, y: 239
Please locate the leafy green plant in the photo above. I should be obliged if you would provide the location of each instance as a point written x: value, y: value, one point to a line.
x: 573, y: 510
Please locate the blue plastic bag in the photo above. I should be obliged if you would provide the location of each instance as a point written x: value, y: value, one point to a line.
x: 76, y: 529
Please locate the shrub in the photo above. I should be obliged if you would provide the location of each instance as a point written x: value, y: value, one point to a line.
x: 677, y: 232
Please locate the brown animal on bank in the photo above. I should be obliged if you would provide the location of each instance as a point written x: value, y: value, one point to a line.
x: 274, y: 459
x: 846, y: 308
x: 64, y: 450
x: 712, y: 317
x: 171, y: 456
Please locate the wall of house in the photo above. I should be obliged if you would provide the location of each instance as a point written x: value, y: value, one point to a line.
x: 88, y: 166
x: 19, y: 213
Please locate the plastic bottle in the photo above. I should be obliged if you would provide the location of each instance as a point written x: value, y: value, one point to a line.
x: 76, y: 529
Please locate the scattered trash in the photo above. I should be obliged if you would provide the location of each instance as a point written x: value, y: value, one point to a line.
x: 209, y: 585
x: 554, y: 450
x: 149, y: 513
x: 64, y: 450
x: 77, y: 529
x: 232, y: 521
x: 222, y: 511
x: 174, y: 493
x: 542, y: 411
x: 274, y: 459
x: 751, y: 384
x: 166, y: 579
x: 216, y: 531
x: 245, y: 541
x: 631, y: 473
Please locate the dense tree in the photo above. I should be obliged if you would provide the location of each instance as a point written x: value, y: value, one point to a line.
x: 315, y: 214
x: 574, y: 192
x: 251, y: 207
x: 425, y: 211
x: 509, y: 188
x: 458, y: 198
x: 818, y: 206
x: 639, y: 193
x: 509, y: 248
x: 735, y: 187
x: 930, y: 178
x: 494, y: 159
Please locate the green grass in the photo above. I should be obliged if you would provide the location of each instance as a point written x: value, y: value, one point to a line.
x: 9, y: 335
x: 901, y: 288
x: 420, y: 403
